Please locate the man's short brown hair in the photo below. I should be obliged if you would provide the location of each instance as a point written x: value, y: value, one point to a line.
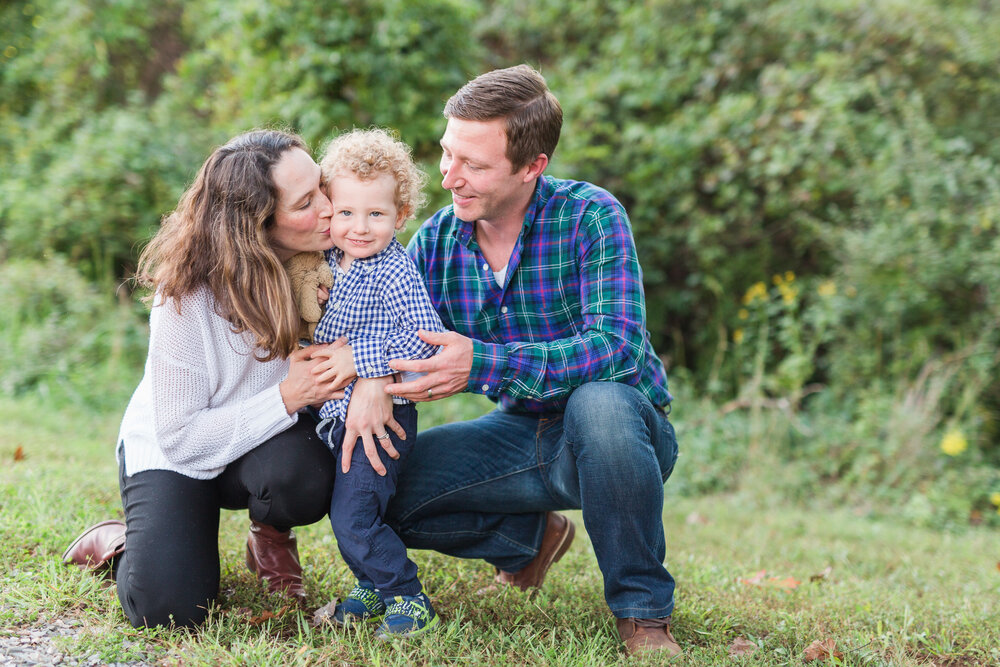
x: 532, y: 115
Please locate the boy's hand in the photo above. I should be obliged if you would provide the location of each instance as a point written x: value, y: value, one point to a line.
x: 301, y: 387
x: 447, y: 372
x: 322, y: 295
x: 336, y: 363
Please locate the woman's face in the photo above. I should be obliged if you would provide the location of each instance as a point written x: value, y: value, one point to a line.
x: 302, y: 220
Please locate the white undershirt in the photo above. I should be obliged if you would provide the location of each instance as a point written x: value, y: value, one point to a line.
x: 500, y: 275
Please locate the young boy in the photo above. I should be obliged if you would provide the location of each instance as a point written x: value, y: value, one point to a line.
x: 378, y: 302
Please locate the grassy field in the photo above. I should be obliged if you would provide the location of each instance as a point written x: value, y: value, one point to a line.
x: 748, y: 567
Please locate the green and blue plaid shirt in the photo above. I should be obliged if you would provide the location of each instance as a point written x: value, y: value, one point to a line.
x: 571, y: 310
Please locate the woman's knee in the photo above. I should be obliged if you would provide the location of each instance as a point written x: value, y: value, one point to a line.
x: 151, y: 599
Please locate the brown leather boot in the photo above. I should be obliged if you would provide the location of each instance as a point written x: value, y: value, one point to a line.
x: 559, y: 532
x: 97, y: 546
x: 274, y: 557
x: 647, y: 635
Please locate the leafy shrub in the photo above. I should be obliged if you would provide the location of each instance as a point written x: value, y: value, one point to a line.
x: 63, y: 340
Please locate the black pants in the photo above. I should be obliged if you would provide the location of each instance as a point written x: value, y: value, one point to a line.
x: 169, y: 573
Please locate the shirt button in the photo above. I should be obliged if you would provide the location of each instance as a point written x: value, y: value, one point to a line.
x: 486, y: 267
x: 486, y: 387
x: 371, y: 369
x: 504, y: 310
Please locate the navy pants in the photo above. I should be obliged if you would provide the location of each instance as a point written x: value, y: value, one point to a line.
x: 373, y: 550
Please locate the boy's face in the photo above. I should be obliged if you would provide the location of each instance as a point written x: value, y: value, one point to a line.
x: 365, y: 217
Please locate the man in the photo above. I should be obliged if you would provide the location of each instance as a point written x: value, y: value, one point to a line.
x: 538, y: 281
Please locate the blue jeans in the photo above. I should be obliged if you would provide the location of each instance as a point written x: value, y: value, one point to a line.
x: 480, y: 489
x: 371, y: 548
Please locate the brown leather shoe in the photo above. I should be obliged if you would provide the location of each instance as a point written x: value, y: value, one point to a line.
x: 274, y: 557
x: 97, y: 546
x: 559, y: 532
x: 647, y: 635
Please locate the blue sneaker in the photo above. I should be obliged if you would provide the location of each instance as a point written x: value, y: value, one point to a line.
x: 406, y: 616
x: 363, y: 604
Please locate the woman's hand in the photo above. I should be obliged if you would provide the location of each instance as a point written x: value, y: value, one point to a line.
x: 369, y: 415
x: 301, y: 387
x: 336, y: 363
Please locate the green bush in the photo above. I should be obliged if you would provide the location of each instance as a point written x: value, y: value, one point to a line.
x: 65, y: 341
x: 814, y: 190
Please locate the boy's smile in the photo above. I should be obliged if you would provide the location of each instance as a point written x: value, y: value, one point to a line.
x: 365, y: 216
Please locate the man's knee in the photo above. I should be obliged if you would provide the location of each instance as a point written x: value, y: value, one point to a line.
x: 604, y: 411
x: 615, y: 424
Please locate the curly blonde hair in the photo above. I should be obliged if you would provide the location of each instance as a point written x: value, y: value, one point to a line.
x: 368, y: 153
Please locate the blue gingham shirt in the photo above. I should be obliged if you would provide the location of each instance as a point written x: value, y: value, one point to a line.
x: 379, y: 304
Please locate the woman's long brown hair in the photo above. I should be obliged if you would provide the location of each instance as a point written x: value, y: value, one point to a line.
x: 218, y: 237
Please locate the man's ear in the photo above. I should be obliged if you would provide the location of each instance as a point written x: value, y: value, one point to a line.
x: 536, y: 167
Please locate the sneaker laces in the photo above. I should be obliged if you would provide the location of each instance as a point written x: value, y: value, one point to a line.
x: 411, y: 607
x: 368, y: 597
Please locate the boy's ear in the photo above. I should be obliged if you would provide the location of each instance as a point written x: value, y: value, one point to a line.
x: 403, y: 214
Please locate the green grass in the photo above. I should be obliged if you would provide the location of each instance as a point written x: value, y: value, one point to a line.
x: 894, y: 595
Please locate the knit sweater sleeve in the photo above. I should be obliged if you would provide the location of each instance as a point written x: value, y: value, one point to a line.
x: 212, y: 400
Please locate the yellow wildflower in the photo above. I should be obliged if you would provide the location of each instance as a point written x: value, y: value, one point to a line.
x: 757, y: 290
x: 737, y: 336
x: 954, y: 443
x: 789, y: 276
x: 743, y: 314
x: 788, y: 294
x: 777, y: 279
x: 827, y: 288
x: 995, y: 499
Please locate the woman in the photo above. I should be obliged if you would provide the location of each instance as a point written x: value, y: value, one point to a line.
x: 215, y: 420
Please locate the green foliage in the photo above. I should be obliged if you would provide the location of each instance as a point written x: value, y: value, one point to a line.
x: 105, y: 121
x: 63, y: 340
x: 846, y: 147
x: 321, y: 67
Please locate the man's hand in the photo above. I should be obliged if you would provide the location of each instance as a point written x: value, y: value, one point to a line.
x: 447, y: 372
x: 369, y: 415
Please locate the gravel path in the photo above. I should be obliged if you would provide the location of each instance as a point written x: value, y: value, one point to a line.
x: 35, y: 645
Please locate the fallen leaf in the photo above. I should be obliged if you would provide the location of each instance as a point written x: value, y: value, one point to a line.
x: 756, y: 580
x: 19, y: 453
x: 761, y: 579
x: 324, y: 613
x: 741, y: 646
x: 821, y: 650
x: 695, y: 519
x: 788, y: 583
x: 819, y: 576
x: 267, y: 616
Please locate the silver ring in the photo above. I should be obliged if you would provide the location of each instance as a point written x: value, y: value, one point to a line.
x: 383, y: 436
x: 430, y: 393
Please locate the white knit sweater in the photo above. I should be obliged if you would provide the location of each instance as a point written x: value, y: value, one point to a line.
x: 204, y: 400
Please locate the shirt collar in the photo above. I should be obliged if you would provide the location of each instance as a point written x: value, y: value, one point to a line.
x: 367, y: 263
x: 544, y: 188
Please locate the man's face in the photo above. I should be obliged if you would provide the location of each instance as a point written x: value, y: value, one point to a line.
x: 475, y: 168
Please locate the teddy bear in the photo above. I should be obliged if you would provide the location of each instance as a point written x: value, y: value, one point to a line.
x: 307, y: 271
